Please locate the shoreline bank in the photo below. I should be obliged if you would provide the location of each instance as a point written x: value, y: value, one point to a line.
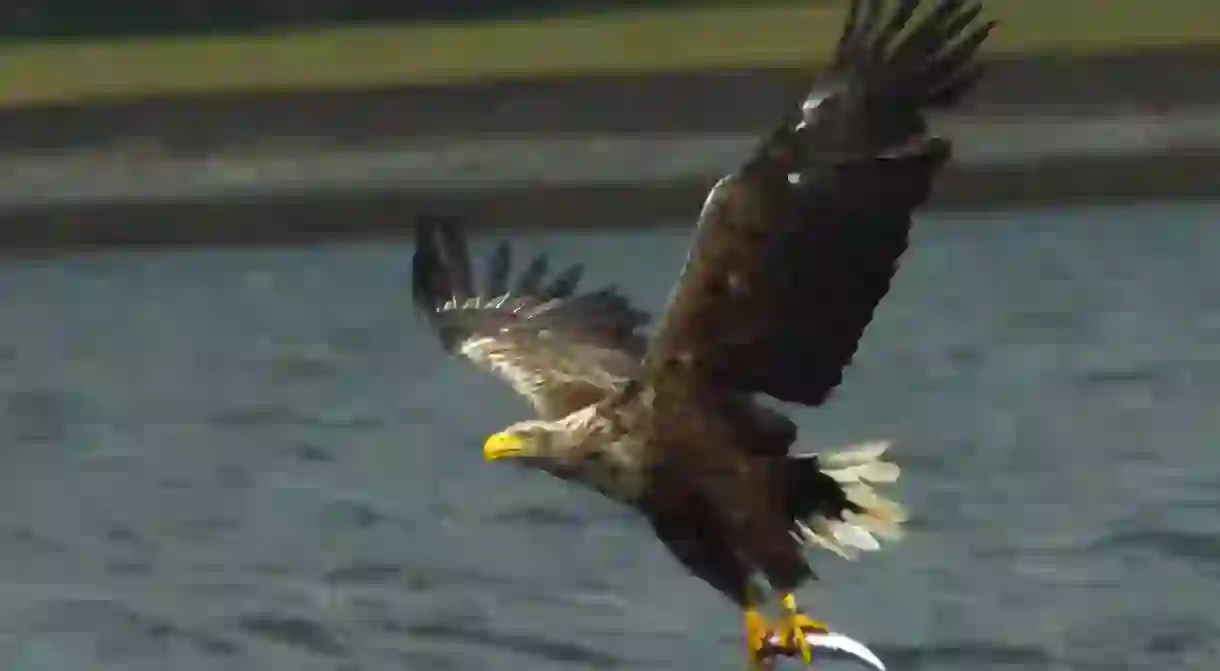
x: 337, y: 216
x: 713, y: 37
x: 590, y: 152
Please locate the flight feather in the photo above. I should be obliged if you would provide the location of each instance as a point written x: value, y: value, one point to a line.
x: 794, y: 250
x: 559, y: 348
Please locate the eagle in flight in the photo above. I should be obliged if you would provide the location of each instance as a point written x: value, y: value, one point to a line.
x: 791, y: 254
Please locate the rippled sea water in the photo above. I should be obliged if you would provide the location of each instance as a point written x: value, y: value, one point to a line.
x: 226, y: 459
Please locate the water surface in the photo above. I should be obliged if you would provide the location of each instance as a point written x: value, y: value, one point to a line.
x: 259, y: 460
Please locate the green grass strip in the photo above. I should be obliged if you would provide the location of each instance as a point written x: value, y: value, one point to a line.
x: 642, y: 41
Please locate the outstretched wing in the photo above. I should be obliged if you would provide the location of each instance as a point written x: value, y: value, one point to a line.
x: 560, y: 349
x: 794, y: 251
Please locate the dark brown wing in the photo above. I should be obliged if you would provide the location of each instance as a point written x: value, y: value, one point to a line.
x: 794, y: 251
x: 560, y: 349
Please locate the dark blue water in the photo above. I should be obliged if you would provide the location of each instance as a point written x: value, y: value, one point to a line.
x: 257, y: 460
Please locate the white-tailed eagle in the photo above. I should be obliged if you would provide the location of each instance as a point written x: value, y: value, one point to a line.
x: 791, y: 255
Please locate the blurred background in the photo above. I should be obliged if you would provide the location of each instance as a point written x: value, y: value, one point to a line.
x: 228, y: 442
x: 340, y: 117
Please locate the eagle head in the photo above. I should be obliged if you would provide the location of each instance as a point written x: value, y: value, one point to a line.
x: 533, y: 441
x: 589, y: 457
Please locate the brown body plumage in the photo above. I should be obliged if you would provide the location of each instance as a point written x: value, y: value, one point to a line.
x: 791, y: 256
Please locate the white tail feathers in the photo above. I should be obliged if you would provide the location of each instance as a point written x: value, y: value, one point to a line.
x: 856, y: 469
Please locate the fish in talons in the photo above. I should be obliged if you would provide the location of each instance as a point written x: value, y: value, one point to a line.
x: 816, y: 641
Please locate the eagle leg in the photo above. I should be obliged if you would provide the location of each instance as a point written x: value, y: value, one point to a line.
x: 795, y: 629
x: 758, y: 645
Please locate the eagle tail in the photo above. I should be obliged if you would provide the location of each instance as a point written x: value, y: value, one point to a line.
x: 834, y: 503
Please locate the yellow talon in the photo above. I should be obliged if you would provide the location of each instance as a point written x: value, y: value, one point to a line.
x: 798, y: 625
x: 758, y: 630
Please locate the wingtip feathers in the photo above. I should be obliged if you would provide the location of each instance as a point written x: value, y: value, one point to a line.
x: 925, y: 58
x: 444, y: 288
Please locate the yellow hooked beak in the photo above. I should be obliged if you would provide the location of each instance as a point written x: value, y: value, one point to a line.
x: 503, y: 446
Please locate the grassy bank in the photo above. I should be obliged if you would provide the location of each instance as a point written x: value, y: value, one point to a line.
x: 776, y: 35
